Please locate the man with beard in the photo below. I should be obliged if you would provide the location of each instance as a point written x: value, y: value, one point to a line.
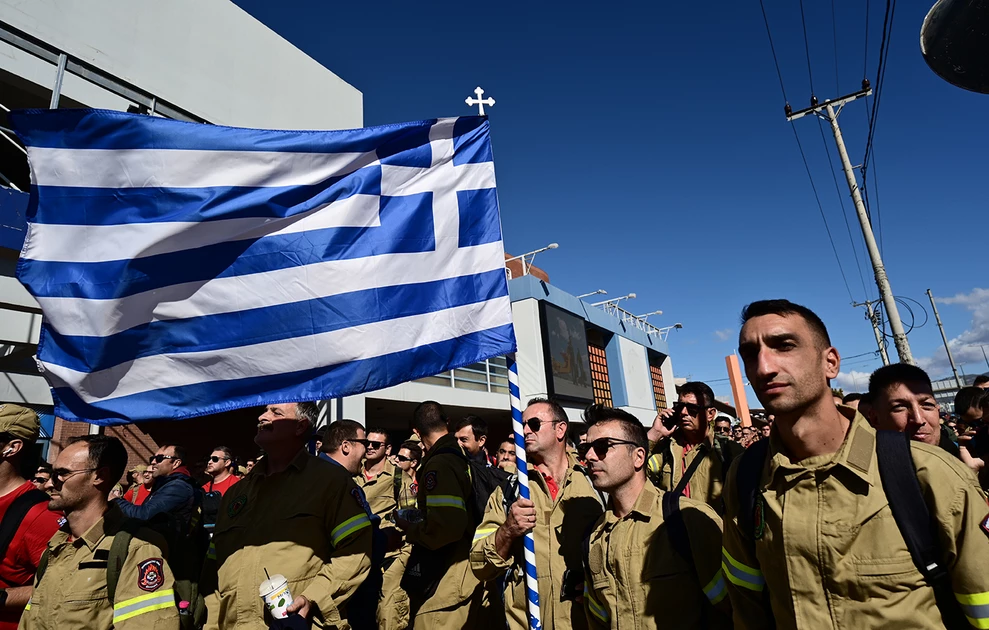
x: 817, y: 544
x: 562, y: 507
x: 71, y: 588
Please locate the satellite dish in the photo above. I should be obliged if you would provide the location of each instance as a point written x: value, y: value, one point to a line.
x: 954, y: 41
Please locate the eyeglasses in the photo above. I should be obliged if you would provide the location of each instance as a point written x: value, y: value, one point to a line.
x: 535, y: 423
x: 691, y: 408
x: 403, y: 458
x: 374, y: 444
x: 724, y: 430
x: 361, y: 441
x: 59, y: 475
x: 214, y: 458
x: 157, y: 459
x: 601, y: 446
x: 41, y: 480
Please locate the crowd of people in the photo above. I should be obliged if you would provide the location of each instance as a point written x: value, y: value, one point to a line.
x: 859, y: 511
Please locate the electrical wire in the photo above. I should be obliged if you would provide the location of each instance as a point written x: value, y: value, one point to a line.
x: 834, y: 38
x: 865, y: 55
x: 803, y: 21
x: 772, y: 49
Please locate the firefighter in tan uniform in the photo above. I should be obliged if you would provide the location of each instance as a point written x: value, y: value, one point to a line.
x: 639, y: 575
x: 377, y: 475
x: 442, y: 589
x: 675, y: 448
x: 564, y: 506
x: 70, y: 590
x: 822, y: 549
x: 393, y: 611
x: 294, y: 515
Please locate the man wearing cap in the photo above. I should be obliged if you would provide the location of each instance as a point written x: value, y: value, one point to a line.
x: 24, y: 509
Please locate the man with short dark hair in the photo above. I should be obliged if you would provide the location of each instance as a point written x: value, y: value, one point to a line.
x: 852, y: 400
x: 682, y: 434
x: 296, y: 515
x: 220, y: 468
x: 981, y: 381
x: 72, y: 590
x: 472, y: 433
x: 506, y: 456
x: 443, y: 591
x: 42, y: 475
x: 173, y: 491
x: 722, y: 426
x: 561, y: 500
x: 834, y: 556
x: 904, y: 401
x: 23, y: 508
x: 639, y: 570
x: 344, y: 443
x: 376, y: 475
x: 967, y: 406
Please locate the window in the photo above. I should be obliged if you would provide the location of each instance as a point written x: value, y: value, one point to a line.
x: 599, y: 373
x: 658, y: 388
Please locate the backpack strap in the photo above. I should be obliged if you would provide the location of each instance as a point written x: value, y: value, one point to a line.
x: 396, y: 484
x: 15, y: 514
x: 42, y: 566
x: 675, y: 527
x: 694, y: 465
x: 913, y: 518
x: 115, y: 562
x: 747, y: 480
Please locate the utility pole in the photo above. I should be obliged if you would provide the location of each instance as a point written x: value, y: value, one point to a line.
x: 944, y: 338
x: 827, y: 111
x: 870, y: 314
x: 984, y: 355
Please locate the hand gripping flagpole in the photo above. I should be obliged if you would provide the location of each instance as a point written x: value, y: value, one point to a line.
x: 531, y: 584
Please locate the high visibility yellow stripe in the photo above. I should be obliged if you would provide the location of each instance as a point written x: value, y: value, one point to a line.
x: 974, y: 599
x: 211, y: 554
x: 484, y: 533
x: 27, y: 607
x: 740, y: 574
x: 596, y: 609
x: 151, y: 602
x: 446, y: 500
x: 976, y: 608
x: 716, y: 590
x: 348, y: 527
x: 655, y: 463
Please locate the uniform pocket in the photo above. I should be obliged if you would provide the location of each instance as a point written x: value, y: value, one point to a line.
x: 882, y: 578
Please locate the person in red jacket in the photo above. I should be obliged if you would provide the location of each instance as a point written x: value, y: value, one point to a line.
x: 142, y: 488
x: 19, y: 429
x: 220, y: 467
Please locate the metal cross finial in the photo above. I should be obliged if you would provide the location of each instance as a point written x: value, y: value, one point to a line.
x: 480, y: 102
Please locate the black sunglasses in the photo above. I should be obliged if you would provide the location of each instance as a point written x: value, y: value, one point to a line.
x: 600, y: 446
x: 375, y: 444
x: 361, y: 441
x: 40, y: 480
x: 691, y: 408
x: 59, y: 475
x: 535, y: 423
x: 214, y: 458
x: 403, y: 458
x: 157, y: 459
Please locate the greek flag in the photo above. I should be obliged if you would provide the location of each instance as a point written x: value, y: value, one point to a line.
x: 188, y: 269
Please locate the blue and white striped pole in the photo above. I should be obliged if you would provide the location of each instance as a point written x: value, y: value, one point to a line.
x: 531, y: 584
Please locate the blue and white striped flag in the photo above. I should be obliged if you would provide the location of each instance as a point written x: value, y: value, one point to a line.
x: 188, y: 269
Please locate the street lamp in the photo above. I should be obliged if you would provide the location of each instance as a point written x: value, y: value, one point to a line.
x: 645, y: 315
x: 531, y: 256
x: 665, y: 330
x: 598, y: 292
x: 615, y: 301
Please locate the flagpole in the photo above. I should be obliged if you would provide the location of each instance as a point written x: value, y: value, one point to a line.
x: 531, y: 584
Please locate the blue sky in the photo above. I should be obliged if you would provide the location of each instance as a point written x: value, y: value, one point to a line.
x: 650, y: 142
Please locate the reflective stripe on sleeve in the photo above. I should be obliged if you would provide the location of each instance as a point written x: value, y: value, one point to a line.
x: 446, y: 500
x: 596, y: 609
x: 716, y: 590
x: 740, y: 574
x: 484, y: 533
x: 348, y: 527
x: 151, y: 602
x: 211, y: 554
x: 976, y: 608
x: 655, y: 463
x: 27, y: 606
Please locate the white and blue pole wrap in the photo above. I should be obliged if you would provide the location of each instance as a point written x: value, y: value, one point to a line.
x: 531, y: 584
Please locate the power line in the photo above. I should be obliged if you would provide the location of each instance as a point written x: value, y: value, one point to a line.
x: 772, y: 48
x: 865, y: 55
x: 887, y: 37
x: 834, y: 38
x: 810, y: 75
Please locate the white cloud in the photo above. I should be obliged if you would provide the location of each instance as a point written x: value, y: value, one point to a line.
x: 724, y: 334
x: 966, y: 347
x: 853, y: 381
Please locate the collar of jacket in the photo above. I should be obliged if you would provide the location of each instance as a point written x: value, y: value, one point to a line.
x: 179, y: 473
x: 856, y: 453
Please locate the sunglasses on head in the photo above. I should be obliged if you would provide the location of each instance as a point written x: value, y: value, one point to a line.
x: 157, y: 459
x: 214, y: 458
x: 600, y: 446
x: 691, y: 408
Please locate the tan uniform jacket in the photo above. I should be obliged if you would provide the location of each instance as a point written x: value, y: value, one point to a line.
x: 830, y: 553
x: 667, y: 465
x: 444, y: 489
x: 72, y: 592
x: 639, y: 581
x: 560, y: 529
x: 380, y: 491
x: 306, y: 523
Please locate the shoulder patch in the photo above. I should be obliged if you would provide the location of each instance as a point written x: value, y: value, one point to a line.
x: 985, y: 525
x: 359, y: 497
x: 150, y: 574
x: 236, y: 506
x: 430, y: 481
x: 759, y: 517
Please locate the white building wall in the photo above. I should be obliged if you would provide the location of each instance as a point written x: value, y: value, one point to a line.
x: 206, y: 56
x: 530, y: 357
x: 638, y: 382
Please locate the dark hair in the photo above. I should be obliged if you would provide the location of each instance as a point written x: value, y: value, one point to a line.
x: 785, y: 308
x: 226, y: 451
x: 703, y: 393
x: 477, y: 426
x: 179, y: 451
x: 338, y: 432
x: 105, y: 451
x: 44, y: 467
x: 428, y: 418
x: 852, y: 398
x: 968, y: 397
x: 889, y: 375
x: 718, y: 419
x: 559, y: 415
x: 981, y: 379
x: 631, y: 427
x: 308, y: 411
x: 376, y: 429
x: 414, y: 448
